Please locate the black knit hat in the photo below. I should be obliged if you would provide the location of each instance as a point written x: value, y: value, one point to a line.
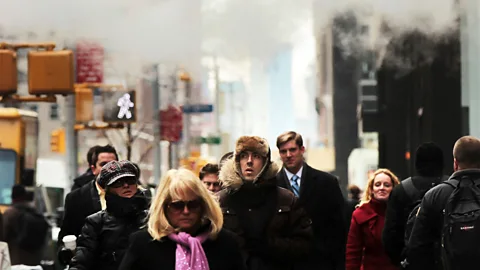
x: 429, y: 159
x: 114, y: 170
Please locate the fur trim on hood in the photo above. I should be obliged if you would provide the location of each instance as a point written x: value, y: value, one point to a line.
x: 230, y: 176
x: 252, y: 143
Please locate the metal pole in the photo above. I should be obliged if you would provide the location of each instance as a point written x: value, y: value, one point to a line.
x: 174, y: 148
x: 157, y: 161
x: 217, y: 97
x: 216, y: 110
x: 71, y: 137
x: 232, y: 115
x: 471, y: 67
x: 129, y: 141
x: 187, y: 117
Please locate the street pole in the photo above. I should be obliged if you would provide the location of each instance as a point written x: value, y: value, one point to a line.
x: 216, y: 109
x: 187, y: 118
x: 232, y: 109
x: 173, y: 148
x: 470, y: 64
x: 217, y: 97
x: 129, y: 141
x: 71, y: 137
x: 157, y: 162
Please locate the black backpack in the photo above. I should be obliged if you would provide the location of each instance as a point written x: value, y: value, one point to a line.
x: 461, y: 225
x: 33, y: 228
x: 416, y: 197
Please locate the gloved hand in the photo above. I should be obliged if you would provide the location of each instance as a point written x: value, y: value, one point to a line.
x: 65, y: 256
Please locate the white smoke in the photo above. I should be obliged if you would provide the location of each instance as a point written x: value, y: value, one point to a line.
x: 258, y: 28
x: 133, y: 32
x: 173, y: 31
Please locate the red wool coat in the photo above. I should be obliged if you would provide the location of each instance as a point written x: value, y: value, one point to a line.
x: 364, y: 245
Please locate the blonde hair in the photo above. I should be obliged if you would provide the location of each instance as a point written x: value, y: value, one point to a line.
x: 367, y: 196
x: 171, y: 186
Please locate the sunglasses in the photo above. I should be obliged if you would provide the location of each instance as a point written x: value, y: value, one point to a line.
x: 179, y: 206
x: 122, y: 181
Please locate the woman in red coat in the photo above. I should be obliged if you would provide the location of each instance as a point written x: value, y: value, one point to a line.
x: 364, y: 246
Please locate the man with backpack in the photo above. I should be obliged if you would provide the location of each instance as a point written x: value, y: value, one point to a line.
x: 24, y: 229
x: 405, y: 199
x: 447, y: 226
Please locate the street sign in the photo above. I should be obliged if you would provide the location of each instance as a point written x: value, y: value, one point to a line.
x: 208, y: 140
x: 197, y: 108
x: 89, y: 58
x: 119, y: 106
x: 171, y: 124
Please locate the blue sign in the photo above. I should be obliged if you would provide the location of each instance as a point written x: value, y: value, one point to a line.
x: 197, y: 108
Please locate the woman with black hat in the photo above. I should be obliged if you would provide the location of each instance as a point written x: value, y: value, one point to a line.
x: 105, y: 234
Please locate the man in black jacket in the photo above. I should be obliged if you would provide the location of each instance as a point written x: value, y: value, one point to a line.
x: 429, y: 172
x: 273, y: 233
x: 319, y: 194
x: 88, y: 199
x: 427, y: 231
x: 88, y: 176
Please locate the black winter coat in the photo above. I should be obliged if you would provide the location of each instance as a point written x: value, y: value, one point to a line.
x: 322, y: 199
x: 273, y: 232
x: 424, y: 246
x: 398, y: 208
x: 144, y: 253
x: 104, y: 238
x: 79, y: 204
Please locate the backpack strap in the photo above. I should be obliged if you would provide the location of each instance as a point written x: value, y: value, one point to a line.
x: 410, y: 189
x: 452, y: 182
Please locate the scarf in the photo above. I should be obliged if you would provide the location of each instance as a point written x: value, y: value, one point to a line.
x: 126, y: 207
x: 189, y: 254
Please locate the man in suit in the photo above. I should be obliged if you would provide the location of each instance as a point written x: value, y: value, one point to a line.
x: 319, y: 194
x: 88, y: 199
x: 87, y: 176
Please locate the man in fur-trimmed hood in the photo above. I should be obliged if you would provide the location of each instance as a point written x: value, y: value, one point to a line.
x: 251, y: 162
x: 272, y: 232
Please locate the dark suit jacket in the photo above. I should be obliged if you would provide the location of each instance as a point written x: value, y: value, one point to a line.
x: 83, y: 179
x: 79, y: 204
x: 322, y: 199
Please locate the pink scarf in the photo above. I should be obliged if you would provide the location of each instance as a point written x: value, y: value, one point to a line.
x: 190, y: 254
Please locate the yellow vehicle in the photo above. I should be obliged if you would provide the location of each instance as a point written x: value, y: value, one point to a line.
x: 18, y: 151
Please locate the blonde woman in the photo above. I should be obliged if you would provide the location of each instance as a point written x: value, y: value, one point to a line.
x: 184, y: 230
x: 364, y: 245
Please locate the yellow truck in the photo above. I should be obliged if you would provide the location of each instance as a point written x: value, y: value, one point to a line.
x: 18, y: 151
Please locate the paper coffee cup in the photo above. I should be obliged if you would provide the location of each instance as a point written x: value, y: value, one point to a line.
x: 70, y: 241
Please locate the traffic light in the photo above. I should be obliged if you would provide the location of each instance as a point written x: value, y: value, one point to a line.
x: 50, y: 72
x: 84, y: 105
x: 8, y: 72
x: 57, y: 141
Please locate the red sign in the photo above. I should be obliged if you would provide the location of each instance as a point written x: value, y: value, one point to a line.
x: 89, y: 62
x: 171, y: 124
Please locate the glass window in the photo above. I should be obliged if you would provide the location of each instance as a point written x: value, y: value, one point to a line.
x: 54, y: 111
x: 8, y: 164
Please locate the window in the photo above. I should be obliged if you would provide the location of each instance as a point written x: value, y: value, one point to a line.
x: 33, y: 108
x: 8, y: 164
x: 54, y: 111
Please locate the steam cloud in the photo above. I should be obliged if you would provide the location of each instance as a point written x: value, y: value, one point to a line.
x: 173, y: 31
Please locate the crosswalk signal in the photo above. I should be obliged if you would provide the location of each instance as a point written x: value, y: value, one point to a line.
x: 57, y: 141
x: 8, y: 72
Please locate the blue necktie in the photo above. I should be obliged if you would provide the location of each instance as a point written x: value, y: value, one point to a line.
x: 295, y: 186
